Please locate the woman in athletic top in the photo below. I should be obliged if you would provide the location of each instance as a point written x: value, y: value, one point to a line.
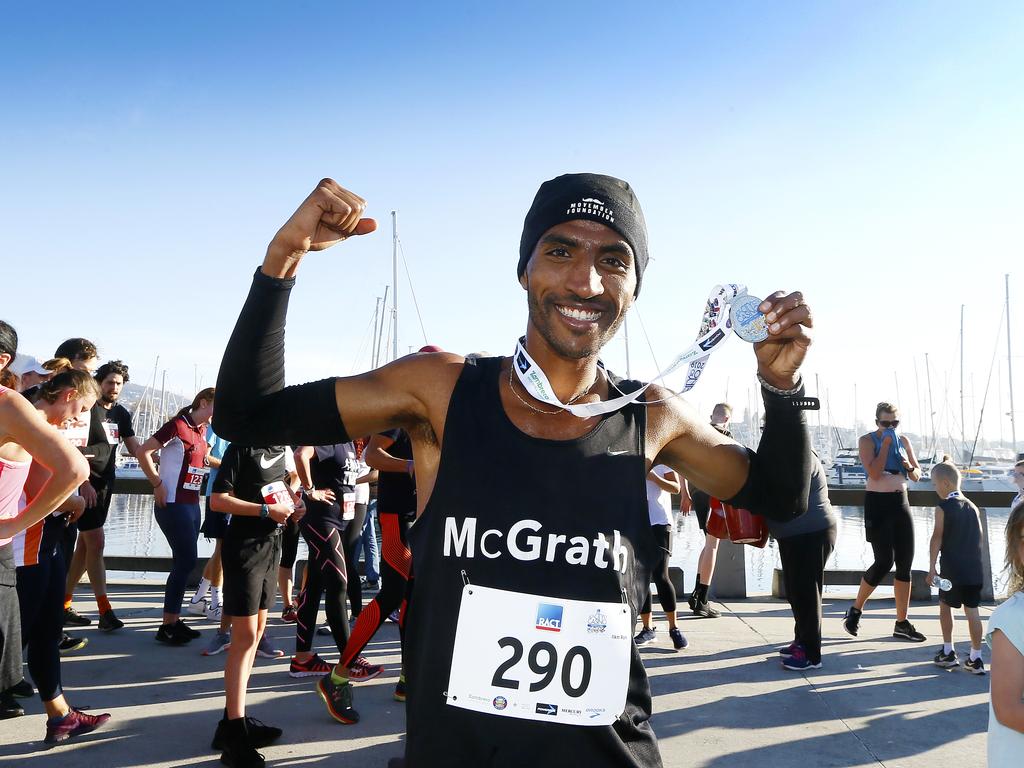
x: 889, y: 460
x: 41, y: 566
x: 1006, y: 637
x: 24, y: 440
x: 176, y: 486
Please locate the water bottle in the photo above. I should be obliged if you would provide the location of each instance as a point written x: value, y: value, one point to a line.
x: 942, y: 584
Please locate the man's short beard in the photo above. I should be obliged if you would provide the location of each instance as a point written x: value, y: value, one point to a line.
x: 108, y: 399
x: 539, y: 320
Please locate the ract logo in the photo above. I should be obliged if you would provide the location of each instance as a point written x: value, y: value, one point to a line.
x: 549, y: 617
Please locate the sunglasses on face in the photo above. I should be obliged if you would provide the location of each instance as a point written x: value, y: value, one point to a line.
x: 888, y: 424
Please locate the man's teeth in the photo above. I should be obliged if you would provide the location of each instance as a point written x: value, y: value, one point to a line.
x: 579, y: 314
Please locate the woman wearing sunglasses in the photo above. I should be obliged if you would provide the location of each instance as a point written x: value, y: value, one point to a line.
x: 890, y: 463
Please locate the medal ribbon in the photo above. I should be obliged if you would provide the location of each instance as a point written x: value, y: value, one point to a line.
x: 715, y: 328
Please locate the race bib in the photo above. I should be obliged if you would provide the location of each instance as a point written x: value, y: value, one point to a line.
x: 540, y: 658
x: 277, y: 493
x: 348, y: 506
x: 194, y: 478
x: 77, y: 430
x: 113, y: 432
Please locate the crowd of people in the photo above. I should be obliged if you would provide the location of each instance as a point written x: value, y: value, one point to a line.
x: 523, y: 503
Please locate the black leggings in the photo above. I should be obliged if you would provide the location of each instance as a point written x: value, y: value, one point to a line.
x: 395, y: 572
x: 41, y: 596
x: 889, y: 528
x: 289, y: 548
x: 351, y: 536
x: 325, y: 572
x: 803, y: 571
x: 659, y: 571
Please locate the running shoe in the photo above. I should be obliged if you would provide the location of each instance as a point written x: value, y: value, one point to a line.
x: 394, y: 616
x: 71, y: 616
x: 799, y: 662
x: 324, y: 630
x: 851, y: 621
x: 789, y: 650
x: 260, y: 734
x: 946, y: 660
x: 976, y: 667
x: 171, y: 635
x: 314, y: 666
x: 704, y: 610
x: 109, y: 622
x: 9, y: 707
x: 267, y: 651
x: 371, y: 584
x: 69, y: 644
x: 221, y: 642
x: 678, y: 638
x: 288, y: 615
x: 362, y: 670
x: 904, y: 630
x: 214, y: 613
x: 239, y: 750
x: 22, y: 690
x: 197, y: 607
x: 645, y: 636
x: 186, y: 630
x: 400, y: 689
x: 338, y: 699
x: 692, y: 601
x: 74, y: 723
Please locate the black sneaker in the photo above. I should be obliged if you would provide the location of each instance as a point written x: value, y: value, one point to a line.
x: 851, y: 621
x: 704, y: 610
x: 22, y: 690
x: 678, y: 639
x: 946, y: 660
x: 71, y: 616
x: 109, y: 622
x: 904, y: 630
x: 260, y: 734
x: 338, y: 699
x: 9, y: 707
x: 69, y: 644
x: 692, y: 601
x: 186, y: 630
x: 976, y: 667
x: 239, y: 751
x: 645, y: 636
x: 169, y: 634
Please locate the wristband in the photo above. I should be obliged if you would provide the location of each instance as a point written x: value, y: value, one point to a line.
x: 782, y: 392
x: 264, y: 511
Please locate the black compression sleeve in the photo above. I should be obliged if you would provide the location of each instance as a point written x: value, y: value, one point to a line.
x: 252, y: 404
x: 780, y: 472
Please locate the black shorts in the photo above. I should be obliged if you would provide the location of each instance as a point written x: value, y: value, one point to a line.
x: 966, y: 595
x: 701, y: 505
x: 250, y: 573
x: 215, y: 524
x: 95, y: 517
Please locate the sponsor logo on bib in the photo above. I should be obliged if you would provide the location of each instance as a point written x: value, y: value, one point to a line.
x: 549, y: 617
x: 597, y: 624
x: 547, y: 709
x: 499, y: 703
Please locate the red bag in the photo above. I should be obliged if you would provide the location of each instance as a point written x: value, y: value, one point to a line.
x: 740, y: 526
x: 717, y: 525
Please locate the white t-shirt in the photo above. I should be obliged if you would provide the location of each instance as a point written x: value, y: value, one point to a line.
x: 1005, y: 745
x: 659, y: 502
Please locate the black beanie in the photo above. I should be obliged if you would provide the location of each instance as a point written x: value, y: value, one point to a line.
x: 592, y: 197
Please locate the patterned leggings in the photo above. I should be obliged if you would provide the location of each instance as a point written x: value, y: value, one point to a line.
x: 325, y: 572
x: 395, y: 570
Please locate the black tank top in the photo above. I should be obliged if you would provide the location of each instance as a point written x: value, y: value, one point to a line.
x: 491, y: 477
x: 961, y: 542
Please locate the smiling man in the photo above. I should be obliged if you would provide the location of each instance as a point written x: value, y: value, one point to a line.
x: 532, y: 548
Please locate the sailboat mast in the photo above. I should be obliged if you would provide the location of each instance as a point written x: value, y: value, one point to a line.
x: 963, y: 434
x: 931, y: 403
x: 1009, y: 369
x: 394, y: 279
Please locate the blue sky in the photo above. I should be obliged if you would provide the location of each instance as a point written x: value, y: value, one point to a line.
x: 868, y: 154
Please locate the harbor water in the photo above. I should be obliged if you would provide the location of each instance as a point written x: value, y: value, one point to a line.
x: 131, y: 530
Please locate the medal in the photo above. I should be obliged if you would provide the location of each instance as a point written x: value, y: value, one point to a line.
x: 747, y: 322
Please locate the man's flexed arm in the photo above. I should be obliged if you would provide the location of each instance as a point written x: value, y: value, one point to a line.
x: 253, y: 407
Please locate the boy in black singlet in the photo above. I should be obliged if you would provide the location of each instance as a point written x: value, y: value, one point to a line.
x: 256, y: 486
x: 957, y: 538
x: 532, y: 546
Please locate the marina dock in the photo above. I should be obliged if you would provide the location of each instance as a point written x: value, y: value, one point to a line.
x: 724, y: 701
